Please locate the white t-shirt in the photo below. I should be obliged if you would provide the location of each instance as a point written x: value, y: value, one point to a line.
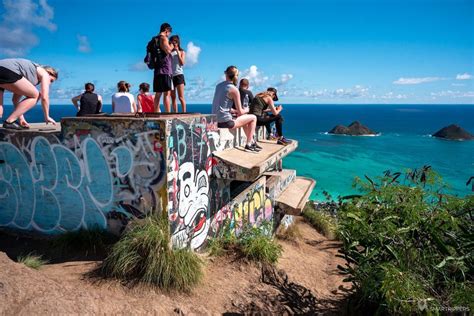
x: 123, y: 102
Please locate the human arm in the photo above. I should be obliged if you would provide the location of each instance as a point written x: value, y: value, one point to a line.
x: 271, y: 106
x: 165, y: 45
x: 139, y: 104
x: 234, y: 94
x: 99, y: 108
x: 75, y: 101
x: 45, y: 81
x: 181, y: 56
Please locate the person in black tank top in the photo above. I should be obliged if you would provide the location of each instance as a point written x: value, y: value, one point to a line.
x: 263, y: 107
x: 89, y: 102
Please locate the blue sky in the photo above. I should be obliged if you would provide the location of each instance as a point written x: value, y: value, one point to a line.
x: 333, y: 51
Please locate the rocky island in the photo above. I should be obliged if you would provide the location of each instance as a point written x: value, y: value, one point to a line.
x: 354, y: 129
x: 453, y: 132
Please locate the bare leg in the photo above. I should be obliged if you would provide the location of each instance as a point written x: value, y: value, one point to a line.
x: 1, y: 102
x: 180, y: 89
x: 25, y: 88
x: 157, y: 102
x: 16, y: 99
x: 248, y: 121
x: 166, y: 101
x: 173, y: 101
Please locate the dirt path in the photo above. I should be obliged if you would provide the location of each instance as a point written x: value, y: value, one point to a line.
x: 228, y: 286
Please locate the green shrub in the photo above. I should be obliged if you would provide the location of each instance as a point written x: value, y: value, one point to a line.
x: 257, y: 244
x: 32, y: 261
x: 323, y: 222
x: 406, y: 244
x: 144, y: 254
x: 254, y: 243
x: 290, y: 233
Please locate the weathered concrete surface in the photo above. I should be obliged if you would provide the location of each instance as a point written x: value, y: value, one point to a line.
x: 278, y: 181
x: 294, y: 198
x: 240, y: 165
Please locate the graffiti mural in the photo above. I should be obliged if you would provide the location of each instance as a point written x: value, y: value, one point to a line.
x: 249, y: 208
x: 189, y: 175
x: 53, y: 186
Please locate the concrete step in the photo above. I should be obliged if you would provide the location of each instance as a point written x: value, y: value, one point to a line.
x: 278, y: 181
x: 294, y: 198
x: 237, y: 164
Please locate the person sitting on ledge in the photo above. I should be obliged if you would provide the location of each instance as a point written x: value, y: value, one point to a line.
x: 20, y: 76
x: 123, y: 101
x: 262, y: 107
x: 225, y: 96
x: 88, y: 102
x: 145, y: 100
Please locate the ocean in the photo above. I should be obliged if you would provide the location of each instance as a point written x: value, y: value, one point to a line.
x: 334, y: 161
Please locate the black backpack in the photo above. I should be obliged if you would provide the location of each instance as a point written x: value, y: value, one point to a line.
x: 152, y: 57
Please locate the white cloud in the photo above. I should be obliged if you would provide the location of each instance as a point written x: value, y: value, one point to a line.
x: 391, y: 95
x: 357, y: 91
x: 256, y: 78
x: 84, y: 45
x: 284, y: 78
x: 464, y: 76
x: 192, y: 54
x: 453, y: 94
x: 19, y: 21
x: 409, y: 81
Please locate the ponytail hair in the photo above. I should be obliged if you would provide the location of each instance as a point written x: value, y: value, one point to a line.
x: 51, y: 71
x: 123, y: 86
x: 264, y: 94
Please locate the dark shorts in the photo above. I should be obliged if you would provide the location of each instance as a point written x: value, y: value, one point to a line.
x: 8, y: 76
x: 177, y: 80
x: 162, y: 83
x: 228, y: 124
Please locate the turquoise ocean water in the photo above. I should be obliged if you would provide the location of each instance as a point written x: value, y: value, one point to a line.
x: 334, y: 161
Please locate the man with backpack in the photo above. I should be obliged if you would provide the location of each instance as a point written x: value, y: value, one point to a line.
x: 159, y: 58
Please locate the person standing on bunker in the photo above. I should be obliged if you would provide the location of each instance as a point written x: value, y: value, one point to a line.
x: 163, y: 71
x: 21, y: 76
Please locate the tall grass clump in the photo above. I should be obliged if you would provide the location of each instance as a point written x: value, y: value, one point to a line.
x: 32, y: 261
x: 322, y: 221
x: 408, y: 247
x: 253, y: 243
x: 290, y: 233
x: 144, y: 254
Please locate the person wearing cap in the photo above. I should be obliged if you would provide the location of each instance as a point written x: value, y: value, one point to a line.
x: 261, y: 106
x: 225, y: 96
x: 163, y: 74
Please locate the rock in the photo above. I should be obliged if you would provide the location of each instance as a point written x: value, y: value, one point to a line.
x: 354, y: 129
x: 453, y: 132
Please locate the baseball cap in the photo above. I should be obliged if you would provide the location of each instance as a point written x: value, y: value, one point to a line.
x: 275, y: 98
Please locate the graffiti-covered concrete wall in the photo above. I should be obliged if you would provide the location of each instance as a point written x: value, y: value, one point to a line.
x: 199, y: 202
x: 104, y: 171
x: 98, y: 173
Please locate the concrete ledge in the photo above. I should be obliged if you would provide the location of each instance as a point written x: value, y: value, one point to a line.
x: 237, y: 164
x: 35, y: 128
x: 294, y: 198
x: 278, y: 181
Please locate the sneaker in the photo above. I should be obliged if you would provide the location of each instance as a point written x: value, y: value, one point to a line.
x: 257, y: 146
x: 12, y: 125
x: 272, y: 137
x: 250, y: 148
x: 283, y: 141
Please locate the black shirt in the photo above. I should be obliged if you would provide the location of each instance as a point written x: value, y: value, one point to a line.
x: 246, y: 97
x: 89, y: 104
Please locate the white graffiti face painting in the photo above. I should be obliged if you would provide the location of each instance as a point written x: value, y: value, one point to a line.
x: 193, y: 199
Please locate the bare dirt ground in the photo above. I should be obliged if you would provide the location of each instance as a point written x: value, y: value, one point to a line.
x: 231, y: 286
